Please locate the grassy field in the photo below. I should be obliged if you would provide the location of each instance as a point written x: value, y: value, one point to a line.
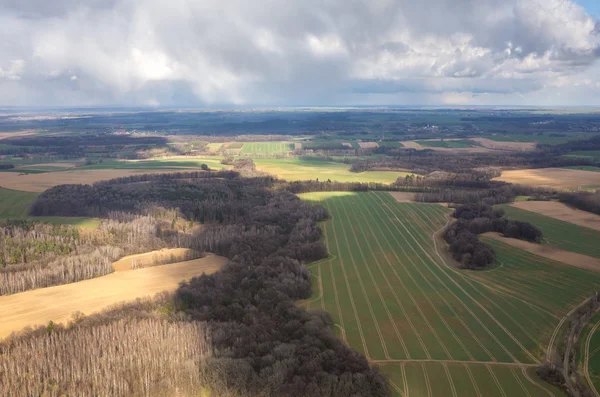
x: 299, y: 169
x: 435, y: 330
x: 561, y: 234
x: 390, y: 144
x: 14, y: 204
x: 458, y: 144
x: 544, y: 138
x: 588, y: 352
x: 592, y: 154
x: 267, y: 147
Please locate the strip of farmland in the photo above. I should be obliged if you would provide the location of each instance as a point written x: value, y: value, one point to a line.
x: 436, y: 330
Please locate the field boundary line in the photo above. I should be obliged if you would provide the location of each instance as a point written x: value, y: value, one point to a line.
x: 526, y: 375
x: 512, y: 370
x: 469, y: 295
x: 586, y: 370
x: 404, y: 379
x: 534, y: 340
x: 431, y: 360
x: 383, y: 302
x: 460, y: 287
x: 549, y: 351
x: 473, y: 382
x: 484, y: 282
x: 362, y: 287
x: 396, y: 387
x: 442, y: 319
x: 358, y: 324
x: 452, y: 387
x: 427, y: 383
x: 496, y: 381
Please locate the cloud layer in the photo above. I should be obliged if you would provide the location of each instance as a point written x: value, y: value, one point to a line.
x: 267, y: 52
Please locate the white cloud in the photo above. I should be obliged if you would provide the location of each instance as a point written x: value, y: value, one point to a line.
x: 298, y: 52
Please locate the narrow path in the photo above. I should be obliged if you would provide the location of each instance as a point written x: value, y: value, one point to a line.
x: 365, y: 294
x: 512, y: 370
x: 526, y: 375
x: 473, y: 382
x: 496, y: 380
x: 586, y: 369
x: 358, y: 322
x: 464, y: 292
x: 452, y: 387
x: 427, y: 382
x: 487, y: 363
x: 440, y: 316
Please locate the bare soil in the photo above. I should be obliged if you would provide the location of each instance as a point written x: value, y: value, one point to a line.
x: 150, y: 258
x: 57, y: 304
x: 368, y: 145
x: 297, y: 145
x: 403, y: 197
x: 561, y: 211
x: 44, y: 181
x: 557, y: 178
x: 509, y: 146
x: 550, y: 252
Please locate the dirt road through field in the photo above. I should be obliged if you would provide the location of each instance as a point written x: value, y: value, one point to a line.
x: 58, y: 303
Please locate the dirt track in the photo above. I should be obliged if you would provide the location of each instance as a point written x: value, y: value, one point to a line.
x: 403, y: 197
x: 560, y: 211
x: 557, y: 178
x: 550, y: 252
x: 58, y: 303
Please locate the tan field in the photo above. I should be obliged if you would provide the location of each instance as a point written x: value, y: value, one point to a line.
x: 57, y: 304
x: 561, y: 211
x: 347, y: 144
x: 146, y: 259
x: 550, y: 252
x: 557, y: 178
x: 403, y: 197
x: 415, y: 145
x: 509, y: 146
x: 41, y: 182
x: 297, y: 145
x: 368, y: 145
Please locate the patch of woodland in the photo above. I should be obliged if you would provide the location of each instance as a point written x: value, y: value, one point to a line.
x: 586, y: 201
x: 262, y: 344
x: 500, y: 194
x: 7, y: 166
x: 136, y: 349
x: 474, y: 219
x: 35, y: 255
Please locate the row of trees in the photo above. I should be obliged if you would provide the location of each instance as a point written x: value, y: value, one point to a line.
x: 586, y: 201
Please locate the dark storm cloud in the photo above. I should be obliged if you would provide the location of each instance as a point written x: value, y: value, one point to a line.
x: 271, y: 52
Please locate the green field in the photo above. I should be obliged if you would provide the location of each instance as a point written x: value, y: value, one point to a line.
x: 544, y: 138
x: 588, y: 352
x: 14, y: 204
x: 591, y: 154
x: 267, y: 147
x: 563, y: 235
x: 457, y: 144
x: 436, y: 330
x: 300, y: 169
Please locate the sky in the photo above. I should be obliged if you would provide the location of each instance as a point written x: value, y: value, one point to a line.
x: 213, y: 53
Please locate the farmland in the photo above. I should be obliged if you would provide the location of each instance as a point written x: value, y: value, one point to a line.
x: 557, y: 178
x: 431, y: 327
x: 561, y: 234
x: 300, y: 169
x: 58, y: 303
x: 450, y: 144
x: 267, y: 147
x: 588, y: 357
